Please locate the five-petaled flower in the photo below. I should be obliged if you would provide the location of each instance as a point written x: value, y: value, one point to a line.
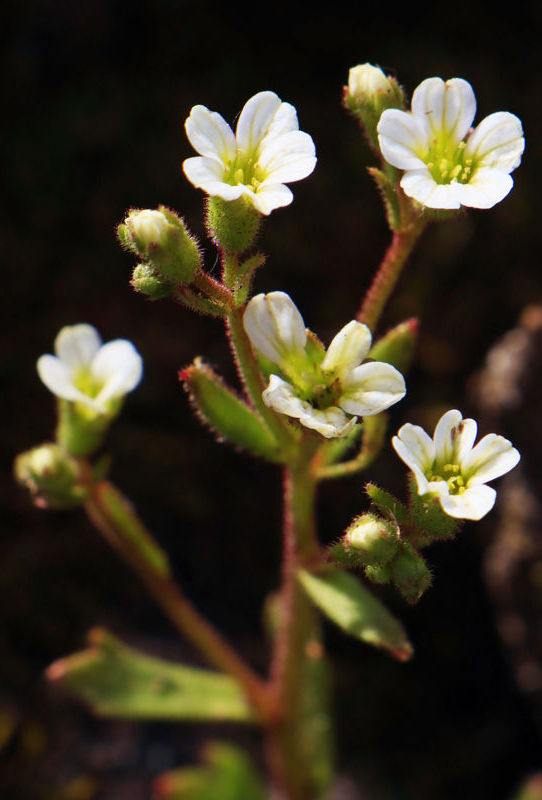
x: 85, y: 371
x: 267, y: 151
x: 449, y: 467
x: 325, y: 390
x: 447, y: 164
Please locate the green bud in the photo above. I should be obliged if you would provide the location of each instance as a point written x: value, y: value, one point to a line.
x: 373, y: 539
x: 147, y: 281
x: 232, y: 225
x: 368, y: 94
x: 410, y: 573
x: 162, y: 239
x: 387, y: 503
x: 52, y: 476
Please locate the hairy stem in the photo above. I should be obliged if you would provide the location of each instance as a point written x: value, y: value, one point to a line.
x: 388, y: 273
x: 114, y: 517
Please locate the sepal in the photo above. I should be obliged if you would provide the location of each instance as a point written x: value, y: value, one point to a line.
x: 410, y: 574
x: 398, y: 345
x: 387, y: 504
x: 147, y: 281
x: 225, y: 413
x: 428, y: 516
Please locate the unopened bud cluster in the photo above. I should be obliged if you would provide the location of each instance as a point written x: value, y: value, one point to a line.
x: 162, y: 240
x: 370, y: 92
x: 52, y: 476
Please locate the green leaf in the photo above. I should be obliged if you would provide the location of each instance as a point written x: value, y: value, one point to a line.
x: 227, y: 775
x: 229, y: 416
x: 344, y: 600
x: 118, y: 681
x: 397, y: 346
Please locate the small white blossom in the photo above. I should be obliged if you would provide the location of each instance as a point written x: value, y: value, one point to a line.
x: 446, y: 163
x: 325, y: 391
x: 267, y: 151
x: 366, y: 80
x: 149, y: 227
x: 85, y: 371
x: 449, y: 467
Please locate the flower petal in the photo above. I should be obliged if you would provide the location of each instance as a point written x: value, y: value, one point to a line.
x: 271, y: 196
x: 492, y: 457
x: 487, y: 187
x: 474, y: 503
x: 497, y: 142
x: 210, y: 135
x: 284, y: 120
x: 403, y: 138
x: 415, y: 447
x: 287, y: 158
x: 206, y: 174
x: 421, y: 186
x: 446, y: 432
x: 449, y: 107
x: 76, y: 345
x: 119, y: 366
x: 281, y: 396
x: 56, y: 375
x: 330, y: 423
x: 275, y: 327
x: 255, y: 120
x: 371, y: 388
x: 348, y: 348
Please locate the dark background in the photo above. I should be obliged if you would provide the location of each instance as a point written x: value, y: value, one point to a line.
x: 94, y: 102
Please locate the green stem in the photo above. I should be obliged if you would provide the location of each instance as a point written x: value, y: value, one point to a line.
x: 213, y: 289
x: 297, y: 637
x: 388, y: 273
x: 374, y: 432
x: 116, y: 520
x: 250, y: 374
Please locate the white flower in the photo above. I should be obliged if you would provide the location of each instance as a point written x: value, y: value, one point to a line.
x: 148, y: 227
x: 323, y: 388
x: 267, y: 151
x: 450, y: 468
x: 448, y: 164
x: 85, y: 371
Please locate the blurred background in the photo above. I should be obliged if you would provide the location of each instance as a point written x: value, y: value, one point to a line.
x: 95, y: 98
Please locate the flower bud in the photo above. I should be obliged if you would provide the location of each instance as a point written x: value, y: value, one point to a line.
x: 410, y: 573
x: 368, y: 94
x: 374, y: 539
x: 162, y: 238
x: 147, y: 281
x: 52, y: 476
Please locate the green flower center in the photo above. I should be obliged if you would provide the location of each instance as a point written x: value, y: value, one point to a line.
x: 446, y: 161
x: 451, y: 473
x: 245, y: 171
x: 85, y: 381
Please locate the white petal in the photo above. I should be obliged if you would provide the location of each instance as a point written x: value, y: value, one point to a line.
x: 413, y: 445
x: 403, y: 138
x: 492, y: 457
x: 284, y: 120
x: 119, y: 366
x: 77, y: 345
x: 464, y: 439
x: 371, y: 388
x: 487, y: 187
x: 255, y: 120
x: 271, y: 196
x: 206, y: 174
x: 287, y: 158
x: 210, y: 135
x: 472, y: 504
x: 274, y: 326
x: 56, y: 375
x: 281, y: 396
x: 497, y: 142
x: 448, y: 107
x: 420, y: 185
x: 348, y: 348
x: 330, y: 423
x: 446, y: 432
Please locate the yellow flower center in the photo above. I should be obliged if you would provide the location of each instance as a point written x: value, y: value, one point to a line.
x: 244, y: 171
x: 85, y: 381
x: 446, y: 162
x: 451, y: 473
